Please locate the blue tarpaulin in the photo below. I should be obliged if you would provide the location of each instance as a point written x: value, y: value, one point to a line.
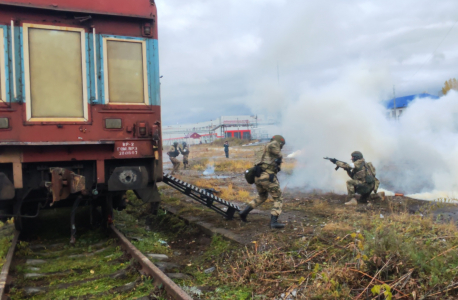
x: 404, y: 101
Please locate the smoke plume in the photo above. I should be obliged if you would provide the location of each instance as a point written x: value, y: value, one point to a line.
x: 415, y: 155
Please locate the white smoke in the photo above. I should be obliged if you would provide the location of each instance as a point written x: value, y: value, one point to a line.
x: 417, y: 154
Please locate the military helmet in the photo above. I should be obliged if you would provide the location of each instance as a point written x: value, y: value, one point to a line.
x: 356, y: 155
x: 175, y: 143
x: 184, y: 144
x: 279, y: 139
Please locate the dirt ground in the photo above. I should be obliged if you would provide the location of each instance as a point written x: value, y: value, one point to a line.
x: 302, y: 211
x: 396, y: 232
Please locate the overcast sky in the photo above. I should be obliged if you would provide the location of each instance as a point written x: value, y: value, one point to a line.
x: 249, y: 56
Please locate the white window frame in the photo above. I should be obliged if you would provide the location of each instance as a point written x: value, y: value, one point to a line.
x: 105, y: 71
x: 28, y: 99
x: 2, y: 66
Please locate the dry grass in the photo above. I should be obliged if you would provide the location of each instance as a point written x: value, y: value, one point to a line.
x: 232, y: 142
x: 233, y: 165
x: 207, y: 183
x: 320, y: 205
x: 397, y: 255
x: 244, y: 196
x: 337, y: 227
x: 221, y: 165
x: 199, y: 164
x: 228, y: 193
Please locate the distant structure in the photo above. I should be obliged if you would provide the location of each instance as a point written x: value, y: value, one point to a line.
x: 402, y: 103
x: 242, y: 127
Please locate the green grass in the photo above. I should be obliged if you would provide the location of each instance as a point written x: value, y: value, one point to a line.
x: 6, y: 236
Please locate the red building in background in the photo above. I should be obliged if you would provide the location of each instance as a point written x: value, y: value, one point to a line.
x: 239, y: 134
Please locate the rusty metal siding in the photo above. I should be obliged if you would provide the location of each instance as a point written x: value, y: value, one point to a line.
x: 94, y: 130
x: 67, y: 141
x: 136, y: 8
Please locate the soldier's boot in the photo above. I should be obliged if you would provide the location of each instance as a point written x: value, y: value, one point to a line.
x: 274, y: 222
x: 352, y: 202
x: 245, y: 213
x: 184, y: 166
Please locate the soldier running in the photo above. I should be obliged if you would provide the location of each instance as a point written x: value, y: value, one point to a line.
x: 185, y: 153
x: 173, y: 154
x: 363, y: 180
x: 267, y: 166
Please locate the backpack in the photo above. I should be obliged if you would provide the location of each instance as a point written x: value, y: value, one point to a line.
x: 370, y: 173
x: 250, y: 175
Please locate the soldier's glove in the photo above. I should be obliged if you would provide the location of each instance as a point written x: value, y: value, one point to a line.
x: 333, y: 160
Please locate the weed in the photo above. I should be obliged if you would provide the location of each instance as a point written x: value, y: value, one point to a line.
x: 228, y: 193
x: 218, y: 247
x: 23, y: 249
x: 5, y: 243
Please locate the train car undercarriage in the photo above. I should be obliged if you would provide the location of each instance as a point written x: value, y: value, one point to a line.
x: 74, y: 183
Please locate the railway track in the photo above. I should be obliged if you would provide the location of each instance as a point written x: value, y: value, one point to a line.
x: 98, y: 268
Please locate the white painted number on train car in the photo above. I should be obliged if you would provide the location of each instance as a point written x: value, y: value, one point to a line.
x: 127, y: 149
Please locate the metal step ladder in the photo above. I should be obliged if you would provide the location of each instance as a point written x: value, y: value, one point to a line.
x: 204, y: 197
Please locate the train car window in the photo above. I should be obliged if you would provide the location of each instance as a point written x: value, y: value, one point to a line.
x: 125, y: 69
x: 55, y: 73
x: 2, y: 67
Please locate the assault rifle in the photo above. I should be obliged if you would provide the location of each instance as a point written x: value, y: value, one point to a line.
x: 334, y: 161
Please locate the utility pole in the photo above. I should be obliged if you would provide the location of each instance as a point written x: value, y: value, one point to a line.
x: 394, y: 103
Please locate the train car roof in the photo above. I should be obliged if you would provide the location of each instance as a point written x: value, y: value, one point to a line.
x: 135, y: 8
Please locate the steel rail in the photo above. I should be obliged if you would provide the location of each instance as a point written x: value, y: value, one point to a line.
x: 6, y: 266
x: 150, y: 269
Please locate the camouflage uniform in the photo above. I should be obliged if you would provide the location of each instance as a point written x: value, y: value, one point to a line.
x: 268, y: 182
x: 173, y: 153
x: 185, y: 153
x: 359, y: 180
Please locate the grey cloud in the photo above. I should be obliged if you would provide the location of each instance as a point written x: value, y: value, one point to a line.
x: 223, y: 55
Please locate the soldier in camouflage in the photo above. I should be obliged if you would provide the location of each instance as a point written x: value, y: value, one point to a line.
x: 185, y: 153
x: 267, y: 165
x: 173, y: 154
x: 363, y: 180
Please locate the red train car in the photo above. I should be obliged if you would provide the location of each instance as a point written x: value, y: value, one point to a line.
x: 80, y: 111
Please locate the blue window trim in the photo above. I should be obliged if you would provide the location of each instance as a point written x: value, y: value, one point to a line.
x: 152, y: 65
x: 89, y: 76
x: 151, y: 55
x: 5, y: 73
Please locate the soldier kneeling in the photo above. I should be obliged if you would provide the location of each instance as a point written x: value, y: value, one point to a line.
x: 363, y: 180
